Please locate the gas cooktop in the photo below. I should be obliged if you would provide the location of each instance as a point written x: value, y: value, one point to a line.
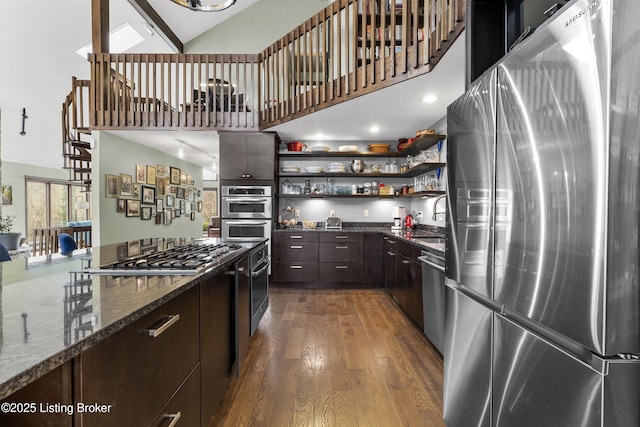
x: 180, y: 260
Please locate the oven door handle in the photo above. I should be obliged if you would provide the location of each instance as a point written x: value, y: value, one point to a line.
x: 245, y: 222
x: 262, y: 270
x: 245, y: 200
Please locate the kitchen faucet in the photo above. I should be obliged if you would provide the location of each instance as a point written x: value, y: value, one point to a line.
x: 435, y: 208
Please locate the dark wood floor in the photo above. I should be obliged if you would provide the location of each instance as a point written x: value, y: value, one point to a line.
x: 336, y: 358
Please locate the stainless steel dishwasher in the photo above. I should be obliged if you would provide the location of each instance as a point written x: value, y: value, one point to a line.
x: 433, y: 297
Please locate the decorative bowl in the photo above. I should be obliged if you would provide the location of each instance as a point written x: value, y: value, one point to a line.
x: 320, y: 148
x: 348, y: 148
x: 313, y: 169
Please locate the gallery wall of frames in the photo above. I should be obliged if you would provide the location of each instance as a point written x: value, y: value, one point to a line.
x: 157, y: 193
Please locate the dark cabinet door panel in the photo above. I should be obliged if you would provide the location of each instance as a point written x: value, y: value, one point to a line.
x: 296, y: 271
x: 340, y: 272
x: 138, y: 373
x: 373, y: 260
x: 337, y: 236
x: 295, y: 251
x: 184, y: 405
x: 341, y: 252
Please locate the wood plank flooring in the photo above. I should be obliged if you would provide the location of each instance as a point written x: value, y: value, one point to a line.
x: 336, y: 358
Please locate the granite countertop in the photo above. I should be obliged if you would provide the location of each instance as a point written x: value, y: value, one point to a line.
x: 430, y: 239
x: 46, y: 321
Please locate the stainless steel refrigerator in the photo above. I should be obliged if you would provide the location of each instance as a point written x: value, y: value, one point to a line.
x: 543, y: 259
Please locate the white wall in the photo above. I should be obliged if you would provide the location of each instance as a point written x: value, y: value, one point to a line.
x: 115, y: 155
x: 237, y: 34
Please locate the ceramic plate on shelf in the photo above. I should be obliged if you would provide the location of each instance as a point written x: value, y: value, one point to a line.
x: 348, y: 148
x: 313, y: 169
x: 322, y: 148
x: 290, y: 169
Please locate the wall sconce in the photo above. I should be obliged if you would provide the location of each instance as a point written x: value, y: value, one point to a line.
x: 24, y: 118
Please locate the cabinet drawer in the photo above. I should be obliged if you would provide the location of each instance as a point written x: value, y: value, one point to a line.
x: 340, y: 272
x: 184, y: 405
x: 295, y: 271
x: 137, y: 373
x: 341, y: 237
x: 340, y: 251
x: 295, y: 251
x: 302, y: 236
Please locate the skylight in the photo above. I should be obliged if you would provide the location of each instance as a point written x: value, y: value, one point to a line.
x: 120, y: 40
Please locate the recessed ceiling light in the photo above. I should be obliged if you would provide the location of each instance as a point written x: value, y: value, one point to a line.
x: 374, y: 129
x: 430, y: 98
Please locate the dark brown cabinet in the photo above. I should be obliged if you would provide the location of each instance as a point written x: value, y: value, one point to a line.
x: 403, y: 277
x: 182, y: 409
x: 295, y: 257
x: 24, y: 408
x: 248, y: 156
x: 138, y: 369
x: 327, y: 258
x: 216, y: 341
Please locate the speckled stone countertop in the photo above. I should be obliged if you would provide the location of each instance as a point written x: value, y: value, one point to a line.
x: 47, y: 320
x: 428, y: 238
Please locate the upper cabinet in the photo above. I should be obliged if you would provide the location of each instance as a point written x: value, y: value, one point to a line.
x: 248, y: 157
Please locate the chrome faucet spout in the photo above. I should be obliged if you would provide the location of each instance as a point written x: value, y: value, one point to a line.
x: 435, y: 207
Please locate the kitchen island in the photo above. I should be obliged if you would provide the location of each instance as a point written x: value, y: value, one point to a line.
x: 89, y: 340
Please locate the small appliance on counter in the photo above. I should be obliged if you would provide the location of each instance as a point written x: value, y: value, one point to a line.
x: 333, y: 223
x: 398, y: 213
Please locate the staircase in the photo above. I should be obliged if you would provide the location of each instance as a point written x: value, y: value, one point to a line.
x: 76, y: 146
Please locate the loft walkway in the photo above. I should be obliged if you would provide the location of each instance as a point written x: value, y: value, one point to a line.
x: 349, y: 49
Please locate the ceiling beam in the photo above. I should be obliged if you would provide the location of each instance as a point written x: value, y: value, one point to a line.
x: 151, y: 16
x: 100, y: 26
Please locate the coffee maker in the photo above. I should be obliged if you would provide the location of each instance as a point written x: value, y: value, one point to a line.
x: 398, y: 213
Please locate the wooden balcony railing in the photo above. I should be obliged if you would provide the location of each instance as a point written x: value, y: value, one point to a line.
x: 45, y: 240
x: 351, y: 48
x: 174, y: 91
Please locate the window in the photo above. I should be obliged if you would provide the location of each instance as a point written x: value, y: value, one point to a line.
x: 53, y: 203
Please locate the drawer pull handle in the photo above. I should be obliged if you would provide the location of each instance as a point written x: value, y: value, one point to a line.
x: 342, y: 267
x: 295, y: 237
x: 296, y: 247
x: 391, y: 253
x: 342, y: 247
x: 342, y: 237
x: 174, y: 418
x: 404, y: 261
x: 166, y: 324
x: 296, y: 267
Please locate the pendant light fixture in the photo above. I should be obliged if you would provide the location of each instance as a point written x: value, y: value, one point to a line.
x: 205, y: 5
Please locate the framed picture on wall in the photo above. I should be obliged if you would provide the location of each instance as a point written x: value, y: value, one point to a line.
x: 170, y: 200
x: 193, y: 216
x: 180, y: 193
x: 151, y: 175
x: 133, y: 207
x: 136, y: 190
x: 168, y: 216
x: 121, y: 207
x: 161, y: 186
x: 183, y: 177
x: 148, y: 195
x: 174, y: 176
x: 161, y: 170
x: 133, y: 248
x: 145, y: 213
x: 141, y: 175
x: 112, y: 185
x: 159, y: 217
x: 199, y: 205
x: 126, y: 184
x: 159, y: 204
